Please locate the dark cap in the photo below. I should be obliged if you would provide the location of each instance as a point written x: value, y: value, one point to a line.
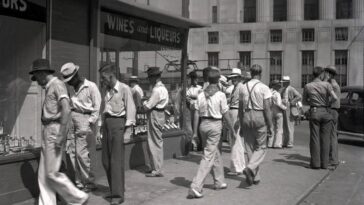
x: 153, y: 71
x: 193, y: 74
x: 274, y: 83
x: 40, y: 65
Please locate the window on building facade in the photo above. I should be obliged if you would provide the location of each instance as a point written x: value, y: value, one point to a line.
x: 275, y: 36
x: 341, y: 63
x: 275, y: 65
x: 308, y: 60
x: 214, y: 14
x: 245, y: 59
x: 311, y: 9
x: 213, y: 59
x: 245, y: 36
x: 213, y: 37
x: 344, y: 9
x: 185, y: 8
x: 280, y: 10
x: 341, y: 34
x: 250, y: 11
x: 308, y: 34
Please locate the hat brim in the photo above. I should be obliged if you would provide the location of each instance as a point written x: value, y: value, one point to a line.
x: 41, y: 69
x: 233, y: 76
x: 154, y: 74
x: 71, y: 76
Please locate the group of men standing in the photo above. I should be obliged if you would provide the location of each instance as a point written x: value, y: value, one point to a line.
x: 81, y: 106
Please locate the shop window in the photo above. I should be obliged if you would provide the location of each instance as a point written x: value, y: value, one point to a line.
x: 344, y: 9
x: 275, y: 36
x: 275, y: 65
x: 214, y: 14
x: 245, y: 59
x: 23, y: 39
x: 341, y: 34
x: 213, y: 59
x: 307, y: 67
x: 245, y: 36
x: 213, y: 37
x: 311, y: 10
x: 341, y: 63
x: 250, y: 11
x: 308, y: 34
x: 279, y: 10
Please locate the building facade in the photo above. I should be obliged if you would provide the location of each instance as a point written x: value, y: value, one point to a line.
x: 286, y: 37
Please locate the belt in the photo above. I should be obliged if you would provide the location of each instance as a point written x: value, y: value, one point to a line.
x: 313, y: 107
x: 247, y: 110
x: 79, y: 111
x: 234, y: 108
x: 209, y: 118
x: 47, y: 122
x: 107, y: 115
x: 158, y: 109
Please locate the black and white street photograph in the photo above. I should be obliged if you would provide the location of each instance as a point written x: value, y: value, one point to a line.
x: 182, y: 102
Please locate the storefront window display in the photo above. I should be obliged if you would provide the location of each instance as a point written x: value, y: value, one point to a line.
x: 22, y: 39
x: 134, y: 45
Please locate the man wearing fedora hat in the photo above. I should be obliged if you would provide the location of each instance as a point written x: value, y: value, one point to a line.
x: 55, y: 117
x: 85, y: 103
x: 237, y: 164
x: 155, y: 107
x: 290, y: 97
x: 330, y: 73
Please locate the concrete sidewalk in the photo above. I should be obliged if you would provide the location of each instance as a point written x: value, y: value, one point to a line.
x: 285, y: 180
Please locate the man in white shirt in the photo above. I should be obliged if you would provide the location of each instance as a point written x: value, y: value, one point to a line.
x: 256, y: 122
x: 155, y: 107
x: 85, y: 107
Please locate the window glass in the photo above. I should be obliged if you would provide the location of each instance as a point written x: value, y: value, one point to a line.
x: 250, y: 11
x: 213, y: 37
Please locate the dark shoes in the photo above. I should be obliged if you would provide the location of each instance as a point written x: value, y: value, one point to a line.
x: 249, y: 176
x: 234, y: 173
x: 194, y: 194
x: 116, y: 201
x: 154, y: 174
x: 89, y: 188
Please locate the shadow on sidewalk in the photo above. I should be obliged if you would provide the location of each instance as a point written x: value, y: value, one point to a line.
x: 295, y: 160
x: 181, y: 181
x: 194, y: 157
x: 353, y: 142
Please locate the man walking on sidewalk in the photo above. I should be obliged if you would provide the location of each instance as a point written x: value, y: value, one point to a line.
x: 155, y: 107
x: 119, y: 113
x: 330, y: 73
x: 256, y: 122
x: 55, y: 117
x: 211, y: 108
x: 85, y: 101
x: 237, y: 164
x: 317, y: 95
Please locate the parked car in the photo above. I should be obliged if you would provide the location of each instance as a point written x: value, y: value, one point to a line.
x: 351, y: 112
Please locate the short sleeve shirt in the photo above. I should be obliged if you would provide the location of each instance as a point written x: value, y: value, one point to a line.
x: 259, y: 93
x: 234, y: 97
x: 159, y: 97
x: 317, y: 93
x: 193, y: 92
x: 55, y: 91
x: 214, y: 106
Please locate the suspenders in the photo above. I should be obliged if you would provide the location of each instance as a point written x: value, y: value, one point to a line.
x: 250, y: 100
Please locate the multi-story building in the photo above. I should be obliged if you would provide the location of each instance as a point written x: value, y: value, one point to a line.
x: 286, y: 37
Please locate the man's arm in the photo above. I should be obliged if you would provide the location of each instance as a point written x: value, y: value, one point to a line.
x: 305, y: 96
x: 268, y: 114
x: 130, y: 111
x: 152, y: 101
x: 65, y: 118
x: 296, y: 96
x: 96, y: 104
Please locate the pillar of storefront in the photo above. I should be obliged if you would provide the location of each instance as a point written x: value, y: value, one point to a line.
x: 295, y: 10
x: 264, y: 11
x: 327, y: 9
x: 358, y: 8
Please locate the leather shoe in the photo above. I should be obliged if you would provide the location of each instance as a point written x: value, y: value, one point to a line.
x: 256, y: 182
x: 248, y: 176
x: 194, y: 194
x: 116, y: 201
x: 154, y: 174
x: 222, y: 186
x: 234, y: 173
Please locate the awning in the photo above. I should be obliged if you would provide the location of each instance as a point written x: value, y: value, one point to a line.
x: 150, y: 13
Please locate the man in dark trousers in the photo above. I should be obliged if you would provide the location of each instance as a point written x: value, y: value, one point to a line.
x: 119, y: 113
x: 317, y: 95
x: 256, y: 122
x: 330, y: 73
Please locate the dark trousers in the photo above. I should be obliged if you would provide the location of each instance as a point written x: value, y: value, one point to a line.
x: 113, y: 155
x: 320, y: 130
x: 334, y: 149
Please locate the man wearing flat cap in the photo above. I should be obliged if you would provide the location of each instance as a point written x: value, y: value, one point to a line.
x: 155, y: 107
x: 290, y: 97
x: 55, y: 118
x: 330, y: 73
x: 85, y: 106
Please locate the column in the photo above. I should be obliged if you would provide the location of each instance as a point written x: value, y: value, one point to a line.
x: 264, y: 13
x: 295, y: 10
x: 358, y: 8
x: 327, y: 9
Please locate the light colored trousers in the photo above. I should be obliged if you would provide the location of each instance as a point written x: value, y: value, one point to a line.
x: 156, y: 121
x: 288, y: 128
x: 237, y: 163
x: 276, y: 139
x: 211, y: 160
x: 49, y: 178
x: 83, y: 156
x: 255, y: 137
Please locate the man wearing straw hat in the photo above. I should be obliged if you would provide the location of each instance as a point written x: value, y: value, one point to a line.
x: 237, y: 164
x: 86, y: 102
x: 55, y: 117
x: 155, y: 106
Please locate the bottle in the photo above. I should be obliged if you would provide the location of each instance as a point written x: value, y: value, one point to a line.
x: 2, y: 146
x: 16, y: 141
x: 7, y: 145
x: 31, y: 142
x: 1, y: 128
x: 11, y: 142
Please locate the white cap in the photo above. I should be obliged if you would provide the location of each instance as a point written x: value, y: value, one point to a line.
x: 286, y: 78
x: 69, y: 70
x: 235, y: 72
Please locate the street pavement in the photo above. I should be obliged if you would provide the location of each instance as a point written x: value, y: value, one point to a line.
x: 286, y: 180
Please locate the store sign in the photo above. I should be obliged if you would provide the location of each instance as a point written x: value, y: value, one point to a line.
x: 121, y: 25
x: 23, y: 9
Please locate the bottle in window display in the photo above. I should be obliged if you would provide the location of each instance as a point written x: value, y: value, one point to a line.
x: 31, y: 142
x: 11, y: 142
x: 1, y: 128
x: 2, y: 146
x: 16, y: 141
x: 7, y: 145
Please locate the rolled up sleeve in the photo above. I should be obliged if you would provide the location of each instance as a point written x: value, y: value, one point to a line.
x: 153, y: 100
x: 96, y: 104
